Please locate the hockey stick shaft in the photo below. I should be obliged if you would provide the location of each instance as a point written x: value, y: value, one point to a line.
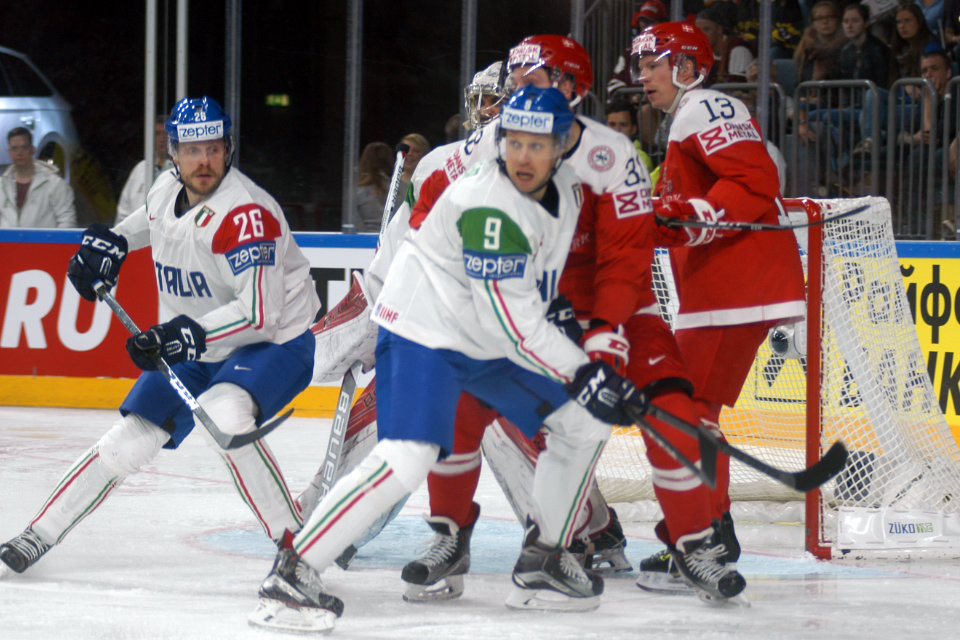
x: 706, y: 473
x: 736, y: 225
x: 225, y: 440
x: 394, y: 187
x: 338, y: 429
x: 810, y: 478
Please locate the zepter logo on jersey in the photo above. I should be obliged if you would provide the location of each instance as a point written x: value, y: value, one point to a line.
x: 526, y: 121
x: 200, y: 131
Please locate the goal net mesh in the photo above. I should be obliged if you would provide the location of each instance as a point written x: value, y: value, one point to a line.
x: 874, y: 395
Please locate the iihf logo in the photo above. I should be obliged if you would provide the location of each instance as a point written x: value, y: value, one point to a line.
x: 601, y: 158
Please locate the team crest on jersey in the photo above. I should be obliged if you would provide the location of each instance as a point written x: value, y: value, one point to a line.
x: 203, y: 218
x: 601, y: 158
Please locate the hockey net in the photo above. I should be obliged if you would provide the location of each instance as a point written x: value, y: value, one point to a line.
x: 853, y: 371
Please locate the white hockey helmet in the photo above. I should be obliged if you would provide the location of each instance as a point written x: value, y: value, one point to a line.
x: 495, y: 82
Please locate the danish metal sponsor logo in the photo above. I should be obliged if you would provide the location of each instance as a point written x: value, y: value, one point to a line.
x: 487, y: 266
x: 524, y: 54
x: 527, y: 121
x: 200, y: 131
x: 255, y: 254
x: 601, y: 158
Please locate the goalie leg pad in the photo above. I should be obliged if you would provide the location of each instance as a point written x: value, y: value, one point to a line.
x: 512, y: 456
x: 393, y: 469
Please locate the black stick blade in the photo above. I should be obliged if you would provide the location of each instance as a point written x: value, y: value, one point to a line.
x: 256, y: 434
x: 823, y: 470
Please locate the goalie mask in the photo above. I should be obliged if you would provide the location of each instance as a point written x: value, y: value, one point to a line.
x: 485, y: 94
x: 677, y: 41
x: 563, y: 58
x: 199, y: 120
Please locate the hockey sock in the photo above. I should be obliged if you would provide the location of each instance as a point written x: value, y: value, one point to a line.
x: 453, y: 481
x: 685, y: 500
x: 392, y: 469
x: 565, y: 470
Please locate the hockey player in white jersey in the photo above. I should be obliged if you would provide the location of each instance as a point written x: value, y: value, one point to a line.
x: 463, y: 308
x: 228, y: 270
x: 608, y: 166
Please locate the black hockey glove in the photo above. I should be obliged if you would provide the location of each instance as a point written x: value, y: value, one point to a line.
x: 598, y: 388
x: 175, y: 341
x: 561, y: 314
x: 99, y: 257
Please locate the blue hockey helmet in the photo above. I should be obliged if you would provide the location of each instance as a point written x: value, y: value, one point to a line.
x: 534, y: 110
x: 198, y: 120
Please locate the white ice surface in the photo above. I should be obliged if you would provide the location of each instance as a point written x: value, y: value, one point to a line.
x: 174, y: 553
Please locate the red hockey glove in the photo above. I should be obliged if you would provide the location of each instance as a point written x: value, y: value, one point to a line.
x: 670, y: 232
x: 603, y: 342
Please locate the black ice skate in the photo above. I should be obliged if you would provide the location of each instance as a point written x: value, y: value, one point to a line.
x: 292, y: 598
x: 22, y: 552
x: 659, y: 573
x: 550, y: 578
x: 699, y: 557
x: 603, y: 552
x: 447, y: 560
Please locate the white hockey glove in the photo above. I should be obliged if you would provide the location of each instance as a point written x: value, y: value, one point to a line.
x: 672, y: 233
x: 344, y: 335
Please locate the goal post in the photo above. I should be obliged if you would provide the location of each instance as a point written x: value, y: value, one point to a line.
x: 851, y: 371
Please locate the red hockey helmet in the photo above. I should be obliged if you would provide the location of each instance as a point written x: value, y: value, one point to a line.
x: 671, y: 39
x: 560, y: 56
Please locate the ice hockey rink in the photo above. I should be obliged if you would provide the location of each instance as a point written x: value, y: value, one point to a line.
x: 174, y: 553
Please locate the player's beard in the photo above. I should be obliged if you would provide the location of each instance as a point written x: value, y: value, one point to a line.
x: 203, y: 187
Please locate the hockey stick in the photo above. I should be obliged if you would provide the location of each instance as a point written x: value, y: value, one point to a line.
x: 707, y: 471
x: 810, y: 478
x: 225, y: 440
x: 338, y: 429
x: 736, y: 225
x: 394, y: 187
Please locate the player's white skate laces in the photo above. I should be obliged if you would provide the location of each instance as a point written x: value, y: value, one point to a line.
x: 21, y: 552
x: 699, y: 557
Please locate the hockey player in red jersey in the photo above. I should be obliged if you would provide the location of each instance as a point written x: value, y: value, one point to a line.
x: 733, y: 286
x: 607, y: 278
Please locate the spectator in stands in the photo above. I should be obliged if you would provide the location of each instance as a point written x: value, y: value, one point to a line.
x: 34, y: 194
x: 374, y: 169
x: 622, y: 117
x: 929, y: 131
x: 909, y: 40
x: 731, y: 55
x: 650, y: 12
x: 817, y: 54
x: 134, y: 192
x: 453, y: 129
x: 864, y: 57
x: 419, y: 146
x: 787, y: 27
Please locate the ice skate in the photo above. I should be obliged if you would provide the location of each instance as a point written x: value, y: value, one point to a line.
x: 550, y: 578
x: 659, y: 573
x: 603, y: 552
x: 447, y: 560
x: 292, y: 598
x: 699, y: 557
x: 22, y: 552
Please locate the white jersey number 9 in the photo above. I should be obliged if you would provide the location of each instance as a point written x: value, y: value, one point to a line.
x: 491, y: 234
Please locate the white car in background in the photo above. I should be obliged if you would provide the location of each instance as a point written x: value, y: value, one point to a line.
x: 28, y: 99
